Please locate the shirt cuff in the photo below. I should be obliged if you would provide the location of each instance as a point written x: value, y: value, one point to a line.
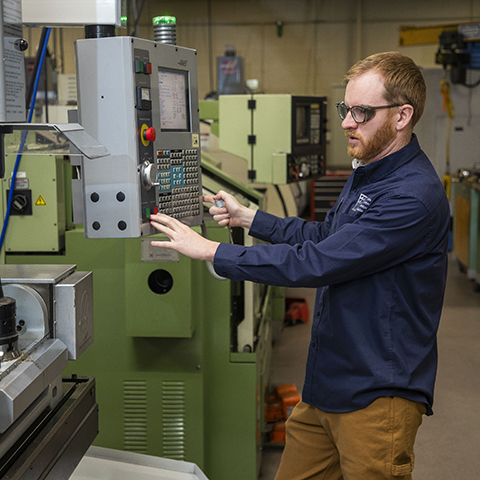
x: 225, y: 259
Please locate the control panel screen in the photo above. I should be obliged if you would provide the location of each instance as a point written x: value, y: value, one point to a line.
x: 307, y: 116
x: 174, y: 104
x: 301, y: 127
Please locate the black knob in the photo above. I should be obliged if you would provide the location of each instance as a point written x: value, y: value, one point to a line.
x: 19, y: 202
x: 21, y: 44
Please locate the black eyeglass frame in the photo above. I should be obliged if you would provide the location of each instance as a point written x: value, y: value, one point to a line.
x: 368, y: 111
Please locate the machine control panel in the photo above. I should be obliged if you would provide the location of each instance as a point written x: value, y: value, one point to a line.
x: 304, y: 167
x: 149, y: 92
x: 145, y: 131
x: 178, y: 177
x: 308, y: 148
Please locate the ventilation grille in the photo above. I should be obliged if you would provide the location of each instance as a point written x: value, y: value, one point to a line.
x: 173, y: 417
x: 135, y: 416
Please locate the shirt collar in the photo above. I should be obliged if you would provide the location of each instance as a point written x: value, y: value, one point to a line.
x: 385, y: 166
x: 356, y: 163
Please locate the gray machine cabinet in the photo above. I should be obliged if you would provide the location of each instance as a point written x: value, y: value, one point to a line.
x: 140, y: 100
x: 74, y: 307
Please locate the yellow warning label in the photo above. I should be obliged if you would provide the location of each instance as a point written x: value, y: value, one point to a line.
x: 40, y: 201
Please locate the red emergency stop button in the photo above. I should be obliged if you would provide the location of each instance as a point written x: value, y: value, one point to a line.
x: 150, y: 134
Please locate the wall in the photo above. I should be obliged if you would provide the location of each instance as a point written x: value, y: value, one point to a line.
x: 432, y: 127
x: 320, y: 39
x: 319, y: 42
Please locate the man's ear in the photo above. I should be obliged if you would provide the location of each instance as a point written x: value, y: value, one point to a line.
x: 404, y: 118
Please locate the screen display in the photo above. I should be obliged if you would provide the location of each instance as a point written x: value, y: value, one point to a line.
x: 174, y: 104
x: 301, y: 127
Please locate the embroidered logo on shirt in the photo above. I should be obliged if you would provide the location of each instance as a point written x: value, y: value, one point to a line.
x: 362, y: 204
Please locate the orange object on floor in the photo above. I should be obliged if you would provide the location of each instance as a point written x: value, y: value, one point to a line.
x: 277, y: 435
x: 289, y: 400
x: 286, y: 388
x: 279, y: 404
x: 273, y: 397
x: 274, y: 412
x: 296, y: 310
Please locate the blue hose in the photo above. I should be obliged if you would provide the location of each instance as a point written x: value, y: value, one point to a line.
x: 24, y: 138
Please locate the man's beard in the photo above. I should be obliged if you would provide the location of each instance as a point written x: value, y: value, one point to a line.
x: 366, y: 150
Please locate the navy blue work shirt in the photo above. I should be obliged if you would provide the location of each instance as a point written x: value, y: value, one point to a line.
x: 379, y: 262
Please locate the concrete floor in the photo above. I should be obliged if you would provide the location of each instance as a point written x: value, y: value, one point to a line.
x: 449, y: 441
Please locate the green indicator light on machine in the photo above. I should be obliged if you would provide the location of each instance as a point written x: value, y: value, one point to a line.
x: 164, y: 20
x: 147, y: 212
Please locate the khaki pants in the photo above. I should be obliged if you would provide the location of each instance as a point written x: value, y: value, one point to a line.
x: 375, y: 443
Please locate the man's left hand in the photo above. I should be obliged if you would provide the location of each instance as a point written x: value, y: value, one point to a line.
x: 182, y: 238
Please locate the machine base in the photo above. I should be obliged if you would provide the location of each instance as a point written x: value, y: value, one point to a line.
x: 56, y: 443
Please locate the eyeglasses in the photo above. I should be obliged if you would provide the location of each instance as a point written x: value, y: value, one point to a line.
x: 360, y: 113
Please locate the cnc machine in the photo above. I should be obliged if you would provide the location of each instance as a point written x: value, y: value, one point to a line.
x: 180, y: 359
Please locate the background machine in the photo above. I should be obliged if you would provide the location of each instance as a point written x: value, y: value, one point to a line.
x: 275, y: 143
x: 283, y: 137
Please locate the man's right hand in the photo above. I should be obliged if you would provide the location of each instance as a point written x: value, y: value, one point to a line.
x: 232, y: 213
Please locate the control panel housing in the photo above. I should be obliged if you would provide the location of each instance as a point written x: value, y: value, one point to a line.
x: 140, y: 100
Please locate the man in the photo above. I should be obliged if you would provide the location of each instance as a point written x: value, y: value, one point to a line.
x: 379, y: 262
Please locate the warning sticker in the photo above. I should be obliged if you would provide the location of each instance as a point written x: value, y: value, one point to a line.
x: 40, y: 201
